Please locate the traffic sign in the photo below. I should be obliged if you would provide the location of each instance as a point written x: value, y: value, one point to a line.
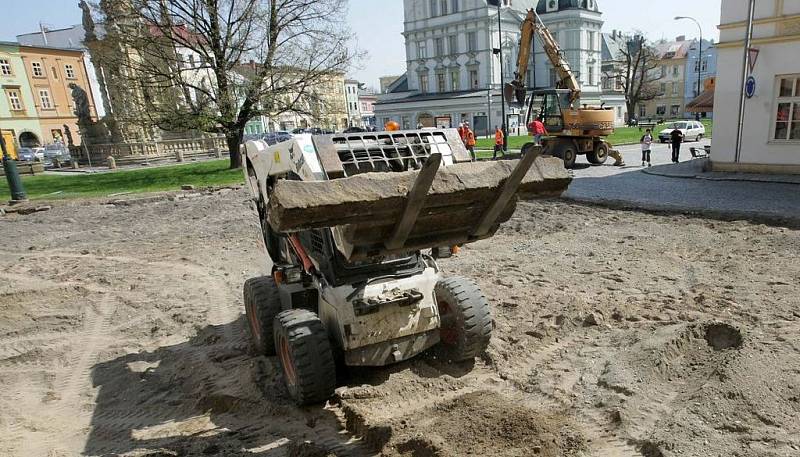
x: 753, y: 57
x: 750, y: 87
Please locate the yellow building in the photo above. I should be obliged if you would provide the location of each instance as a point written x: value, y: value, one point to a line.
x: 51, y: 74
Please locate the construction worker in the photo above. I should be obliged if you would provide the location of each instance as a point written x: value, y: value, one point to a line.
x: 537, y: 129
x: 470, y: 140
x: 498, y: 142
x: 462, y: 133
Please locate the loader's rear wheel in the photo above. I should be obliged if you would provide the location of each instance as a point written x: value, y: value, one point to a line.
x: 305, y: 355
x: 466, y: 320
x: 261, y: 304
x: 599, y: 155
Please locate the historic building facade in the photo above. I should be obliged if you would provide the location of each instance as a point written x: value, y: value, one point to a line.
x: 59, y: 84
x: 18, y: 117
x: 454, y: 75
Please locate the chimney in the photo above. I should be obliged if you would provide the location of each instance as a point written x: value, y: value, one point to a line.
x: 681, y: 38
x: 252, y: 64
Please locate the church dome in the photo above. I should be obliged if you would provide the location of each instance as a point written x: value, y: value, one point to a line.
x: 551, y: 6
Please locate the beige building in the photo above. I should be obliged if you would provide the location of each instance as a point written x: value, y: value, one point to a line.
x: 671, y: 101
x: 50, y: 73
x: 770, y: 137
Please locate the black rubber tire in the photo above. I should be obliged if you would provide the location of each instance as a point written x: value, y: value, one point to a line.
x: 569, y: 156
x: 599, y: 155
x: 305, y: 354
x: 699, y: 137
x: 466, y: 319
x: 261, y: 304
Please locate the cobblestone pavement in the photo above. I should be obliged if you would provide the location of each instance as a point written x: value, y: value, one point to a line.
x: 629, y: 187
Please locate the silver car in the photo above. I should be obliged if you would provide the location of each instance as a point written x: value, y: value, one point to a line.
x: 692, y: 131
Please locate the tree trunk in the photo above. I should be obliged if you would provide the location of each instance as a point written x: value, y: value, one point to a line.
x: 632, y: 110
x: 234, y: 138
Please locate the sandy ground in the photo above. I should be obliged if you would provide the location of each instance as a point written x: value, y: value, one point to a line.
x: 616, y: 334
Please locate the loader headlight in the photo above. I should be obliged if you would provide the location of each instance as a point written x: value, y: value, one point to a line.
x: 287, y: 274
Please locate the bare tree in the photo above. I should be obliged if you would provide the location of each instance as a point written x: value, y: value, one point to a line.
x: 637, y: 68
x: 213, y: 65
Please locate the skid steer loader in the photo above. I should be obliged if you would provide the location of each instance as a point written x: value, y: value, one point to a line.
x: 353, y: 224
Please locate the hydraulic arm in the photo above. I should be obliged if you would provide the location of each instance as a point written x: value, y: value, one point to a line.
x: 533, y: 24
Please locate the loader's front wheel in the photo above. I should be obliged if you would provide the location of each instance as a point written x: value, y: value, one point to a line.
x: 305, y: 355
x: 261, y: 304
x: 466, y: 320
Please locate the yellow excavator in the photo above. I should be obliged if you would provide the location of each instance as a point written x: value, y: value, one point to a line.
x: 573, y: 130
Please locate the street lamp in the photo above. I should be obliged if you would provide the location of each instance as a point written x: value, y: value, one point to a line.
x: 499, y: 4
x: 699, y: 55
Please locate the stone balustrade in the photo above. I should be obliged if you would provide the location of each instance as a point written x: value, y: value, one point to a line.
x: 177, y: 150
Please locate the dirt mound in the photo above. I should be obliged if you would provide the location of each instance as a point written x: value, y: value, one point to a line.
x: 478, y: 423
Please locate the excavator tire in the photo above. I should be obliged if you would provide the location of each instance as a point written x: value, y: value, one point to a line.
x: 261, y: 304
x: 466, y: 319
x: 305, y: 354
x: 568, y: 154
x: 599, y: 155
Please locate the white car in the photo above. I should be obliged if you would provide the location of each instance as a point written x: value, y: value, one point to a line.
x: 692, y: 131
x: 39, y: 153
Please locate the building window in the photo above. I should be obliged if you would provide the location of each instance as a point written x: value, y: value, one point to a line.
x: 663, y: 88
x: 642, y: 110
x: 454, y: 6
x: 14, y: 100
x: 433, y: 7
x: 663, y: 71
x: 69, y: 70
x: 440, y: 83
x: 674, y: 110
x: 452, y: 44
x: 5, y: 67
x: 455, y: 77
x: 591, y: 75
x: 472, y: 41
x: 676, y: 88
x: 423, y: 83
x: 442, y: 7
x: 36, y: 67
x: 438, y: 45
x: 592, y: 43
x: 675, y: 70
x: 422, y: 50
x: 661, y: 110
x: 473, y: 79
x: 787, y: 119
x: 44, y: 96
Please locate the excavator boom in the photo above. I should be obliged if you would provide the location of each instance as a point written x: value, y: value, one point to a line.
x: 533, y: 24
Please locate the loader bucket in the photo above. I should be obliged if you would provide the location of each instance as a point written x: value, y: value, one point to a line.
x: 396, y: 192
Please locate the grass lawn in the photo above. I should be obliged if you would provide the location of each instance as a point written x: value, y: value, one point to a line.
x: 208, y: 173
x: 621, y: 136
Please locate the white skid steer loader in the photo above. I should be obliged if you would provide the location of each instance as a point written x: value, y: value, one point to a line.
x: 345, y: 220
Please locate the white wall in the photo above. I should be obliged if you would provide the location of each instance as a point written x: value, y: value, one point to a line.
x: 757, y: 146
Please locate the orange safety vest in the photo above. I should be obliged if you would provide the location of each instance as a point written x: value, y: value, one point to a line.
x: 470, y: 138
x: 498, y: 137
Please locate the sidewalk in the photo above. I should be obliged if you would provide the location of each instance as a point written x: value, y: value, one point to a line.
x: 696, y: 169
x: 686, y: 188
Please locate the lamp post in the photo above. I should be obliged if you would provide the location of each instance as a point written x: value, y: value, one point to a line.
x: 699, y: 55
x: 499, y: 4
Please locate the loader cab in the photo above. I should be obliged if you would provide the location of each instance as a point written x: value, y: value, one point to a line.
x: 549, y: 104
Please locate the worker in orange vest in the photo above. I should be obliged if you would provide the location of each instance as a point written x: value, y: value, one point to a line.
x: 462, y: 132
x: 498, y: 142
x: 470, y: 140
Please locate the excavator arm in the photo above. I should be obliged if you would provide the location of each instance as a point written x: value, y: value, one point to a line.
x: 533, y: 24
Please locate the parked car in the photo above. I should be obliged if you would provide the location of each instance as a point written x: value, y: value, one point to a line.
x: 39, y: 153
x: 56, y: 152
x: 354, y: 130
x: 26, y: 155
x: 692, y: 131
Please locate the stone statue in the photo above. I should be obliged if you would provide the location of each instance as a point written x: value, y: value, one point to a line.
x: 68, y: 134
x: 82, y: 110
x: 88, y: 22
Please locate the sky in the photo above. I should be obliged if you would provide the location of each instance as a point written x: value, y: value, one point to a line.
x: 378, y: 25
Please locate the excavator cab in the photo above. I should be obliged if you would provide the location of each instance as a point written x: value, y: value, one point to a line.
x: 549, y: 105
